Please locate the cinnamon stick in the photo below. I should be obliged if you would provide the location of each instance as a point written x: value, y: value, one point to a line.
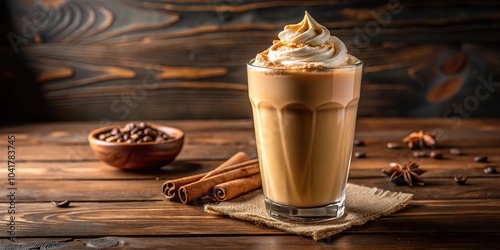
x: 193, y: 191
x: 218, y: 171
x: 171, y: 187
x: 231, y: 189
x: 238, y: 158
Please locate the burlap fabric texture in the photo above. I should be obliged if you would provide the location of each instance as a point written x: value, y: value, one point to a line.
x: 362, y: 204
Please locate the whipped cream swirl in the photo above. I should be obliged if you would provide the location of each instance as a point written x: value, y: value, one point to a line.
x: 306, y: 44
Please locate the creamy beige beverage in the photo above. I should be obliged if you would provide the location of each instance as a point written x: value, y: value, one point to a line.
x: 304, y: 92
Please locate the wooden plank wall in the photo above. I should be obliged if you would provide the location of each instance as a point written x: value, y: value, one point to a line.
x: 160, y: 59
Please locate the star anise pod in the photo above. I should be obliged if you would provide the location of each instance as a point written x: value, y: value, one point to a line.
x: 406, y: 174
x: 420, y: 140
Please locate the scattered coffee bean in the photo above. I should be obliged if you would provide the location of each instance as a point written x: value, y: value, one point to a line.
x: 455, y: 151
x: 481, y: 158
x: 360, y: 154
x: 436, y: 155
x: 460, y: 179
x: 394, y: 145
x: 60, y: 203
x: 490, y: 170
x: 419, y: 154
x: 137, y: 133
x: 359, y: 143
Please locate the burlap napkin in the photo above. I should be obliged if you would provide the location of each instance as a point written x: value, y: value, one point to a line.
x: 362, y: 204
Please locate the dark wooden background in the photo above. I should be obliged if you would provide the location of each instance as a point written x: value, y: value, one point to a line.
x: 159, y: 59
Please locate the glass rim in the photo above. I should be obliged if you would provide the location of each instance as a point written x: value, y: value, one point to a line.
x: 356, y: 65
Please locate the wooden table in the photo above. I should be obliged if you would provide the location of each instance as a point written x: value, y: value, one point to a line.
x: 111, y: 207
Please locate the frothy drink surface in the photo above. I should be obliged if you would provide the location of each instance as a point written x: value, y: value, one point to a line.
x: 304, y: 124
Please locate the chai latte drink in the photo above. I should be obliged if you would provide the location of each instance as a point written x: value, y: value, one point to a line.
x: 304, y: 92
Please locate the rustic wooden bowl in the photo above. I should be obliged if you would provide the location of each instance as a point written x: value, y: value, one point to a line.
x: 136, y: 156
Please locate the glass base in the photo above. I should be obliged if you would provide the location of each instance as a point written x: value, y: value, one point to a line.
x: 306, y: 215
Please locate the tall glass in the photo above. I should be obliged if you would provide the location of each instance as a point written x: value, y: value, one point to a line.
x: 304, y: 125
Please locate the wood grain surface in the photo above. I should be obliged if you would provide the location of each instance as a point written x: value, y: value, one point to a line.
x: 347, y: 240
x: 116, y: 209
x: 131, y: 59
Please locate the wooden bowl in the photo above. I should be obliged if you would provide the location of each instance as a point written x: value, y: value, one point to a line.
x: 136, y: 156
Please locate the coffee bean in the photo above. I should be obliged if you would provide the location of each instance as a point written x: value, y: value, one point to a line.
x: 436, y: 155
x: 153, y: 133
x: 130, y: 125
x: 490, y: 170
x: 394, y: 145
x: 455, y: 151
x: 460, y: 179
x: 112, y: 138
x: 481, y: 158
x: 360, y: 154
x: 134, y: 133
x: 359, y: 143
x: 134, y: 130
x: 60, y: 203
x: 419, y: 154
